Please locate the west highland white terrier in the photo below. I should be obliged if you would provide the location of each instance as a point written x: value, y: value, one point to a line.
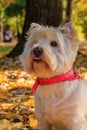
x: 60, y: 94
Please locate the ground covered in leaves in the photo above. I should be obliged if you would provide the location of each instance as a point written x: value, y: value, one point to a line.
x: 16, y: 99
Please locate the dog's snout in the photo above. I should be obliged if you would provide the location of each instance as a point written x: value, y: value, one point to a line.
x: 37, y: 51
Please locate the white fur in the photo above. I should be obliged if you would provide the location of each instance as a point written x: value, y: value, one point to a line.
x: 62, y: 106
x: 64, y: 103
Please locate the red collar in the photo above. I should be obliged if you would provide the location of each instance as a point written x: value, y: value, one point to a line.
x: 68, y: 76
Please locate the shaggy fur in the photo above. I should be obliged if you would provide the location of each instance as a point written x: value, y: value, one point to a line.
x: 62, y: 106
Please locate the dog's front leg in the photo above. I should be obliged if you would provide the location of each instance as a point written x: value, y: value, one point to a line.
x: 43, y: 125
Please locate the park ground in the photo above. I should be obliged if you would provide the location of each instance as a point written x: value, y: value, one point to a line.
x: 16, y: 98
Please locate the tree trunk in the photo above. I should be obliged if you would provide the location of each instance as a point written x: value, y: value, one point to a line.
x: 1, y: 29
x: 40, y: 11
x: 69, y: 10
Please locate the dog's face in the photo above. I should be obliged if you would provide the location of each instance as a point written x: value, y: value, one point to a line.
x: 48, y: 51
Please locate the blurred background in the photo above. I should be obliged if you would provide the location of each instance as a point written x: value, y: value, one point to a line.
x: 17, y: 15
x: 16, y: 99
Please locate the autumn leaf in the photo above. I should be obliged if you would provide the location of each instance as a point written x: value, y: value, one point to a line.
x: 33, y: 124
x: 30, y: 102
x: 5, y: 125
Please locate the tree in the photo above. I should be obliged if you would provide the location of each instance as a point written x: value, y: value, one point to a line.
x: 43, y: 12
x: 39, y: 11
x: 69, y: 10
x: 16, y: 10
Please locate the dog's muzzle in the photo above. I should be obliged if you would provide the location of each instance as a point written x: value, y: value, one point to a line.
x: 37, y: 52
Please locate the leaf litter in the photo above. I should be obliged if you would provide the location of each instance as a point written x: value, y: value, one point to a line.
x: 16, y: 99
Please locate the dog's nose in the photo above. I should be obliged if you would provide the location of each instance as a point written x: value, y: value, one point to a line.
x: 37, y: 52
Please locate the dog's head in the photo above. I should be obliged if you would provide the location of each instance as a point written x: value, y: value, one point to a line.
x: 50, y: 51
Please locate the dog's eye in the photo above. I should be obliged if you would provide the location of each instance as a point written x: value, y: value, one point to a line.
x: 54, y: 44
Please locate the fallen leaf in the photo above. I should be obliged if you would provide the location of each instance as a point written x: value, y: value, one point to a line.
x: 30, y: 102
x: 5, y: 124
x: 6, y: 106
x: 33, y: 124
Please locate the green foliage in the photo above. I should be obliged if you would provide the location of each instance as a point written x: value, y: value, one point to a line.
x: 80, y: 17
x: 5, y: 49
x: 13, y: 9
x: 84, y: 22
x: 13, y: 12
x: 21, y: 2
x: 14, y: 15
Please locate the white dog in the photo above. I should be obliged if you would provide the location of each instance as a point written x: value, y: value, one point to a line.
x: 60, y: 94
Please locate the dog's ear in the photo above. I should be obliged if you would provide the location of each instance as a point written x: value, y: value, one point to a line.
x: 67, y: 28
x: 71, y: 28
x: 70, y: 33
x: 32, y: 26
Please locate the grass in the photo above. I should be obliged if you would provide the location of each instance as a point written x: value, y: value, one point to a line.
x: 5, y: 48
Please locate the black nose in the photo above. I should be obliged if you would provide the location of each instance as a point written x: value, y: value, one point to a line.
x: 37, y: 52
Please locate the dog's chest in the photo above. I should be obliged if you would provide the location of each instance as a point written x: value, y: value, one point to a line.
x: 52, y: 109
x: 53, y: 105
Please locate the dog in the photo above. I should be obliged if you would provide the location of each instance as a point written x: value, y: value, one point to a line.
x: 60, y: 93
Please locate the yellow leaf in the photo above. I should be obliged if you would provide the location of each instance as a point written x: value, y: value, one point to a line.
x: 33, y: 124
x: 10, y: 115
x: 6, y: 106
x: 30, y: 102
x: 5, y: 125
x: 6, y: 128
x: 3, y: 94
